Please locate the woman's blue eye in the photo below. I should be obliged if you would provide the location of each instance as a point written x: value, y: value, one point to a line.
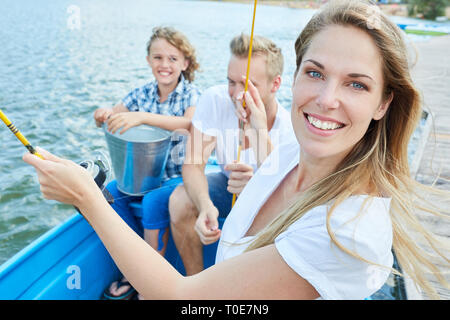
x: 358, y: 86
x: 315, y: 74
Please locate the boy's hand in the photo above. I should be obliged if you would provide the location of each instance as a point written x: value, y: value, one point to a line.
x: 124, y: 120
x: 101, y: 115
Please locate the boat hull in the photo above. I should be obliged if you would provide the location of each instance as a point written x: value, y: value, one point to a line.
x: 67, y: 262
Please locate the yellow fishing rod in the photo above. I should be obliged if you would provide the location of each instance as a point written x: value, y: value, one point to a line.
x: 241, y: 123
x: 19, y: 135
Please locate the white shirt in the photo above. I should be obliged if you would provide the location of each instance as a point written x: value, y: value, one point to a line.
x: 306, y: 245
x: 214, y: 116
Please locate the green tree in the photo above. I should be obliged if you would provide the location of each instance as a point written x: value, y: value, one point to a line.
x: 430, y: 9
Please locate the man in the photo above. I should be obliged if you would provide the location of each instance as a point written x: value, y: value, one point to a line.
x: 195, y: 206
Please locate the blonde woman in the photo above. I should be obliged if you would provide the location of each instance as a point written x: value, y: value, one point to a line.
x: 324, y: 224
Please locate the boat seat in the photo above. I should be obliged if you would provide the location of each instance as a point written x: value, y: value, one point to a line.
x: 172, y: 255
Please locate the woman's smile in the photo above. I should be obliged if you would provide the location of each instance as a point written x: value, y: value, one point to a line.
x: 321, y: 125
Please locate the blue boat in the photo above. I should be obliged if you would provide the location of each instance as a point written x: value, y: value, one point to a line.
x: 69, y: 262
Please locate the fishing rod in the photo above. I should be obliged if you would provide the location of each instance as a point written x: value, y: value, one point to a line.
x: 241, y: 123
x: 19, y: 135
x: 97, y: 168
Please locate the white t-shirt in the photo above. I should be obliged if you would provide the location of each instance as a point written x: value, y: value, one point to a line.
x: 306, y: 245
x: 214, y: 116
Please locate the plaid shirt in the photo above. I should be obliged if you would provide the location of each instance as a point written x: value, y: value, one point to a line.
x: 146, y: 99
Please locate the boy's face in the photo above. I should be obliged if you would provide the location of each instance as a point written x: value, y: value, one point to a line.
x: 237, y: 67
x: 167, y: 63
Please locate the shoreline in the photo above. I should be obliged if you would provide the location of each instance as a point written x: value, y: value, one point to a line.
x: 392, y: 9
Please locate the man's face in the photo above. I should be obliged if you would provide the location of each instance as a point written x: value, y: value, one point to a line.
x: 237, y: 67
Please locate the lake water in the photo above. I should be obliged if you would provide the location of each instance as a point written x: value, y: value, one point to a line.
x: 61, y: 60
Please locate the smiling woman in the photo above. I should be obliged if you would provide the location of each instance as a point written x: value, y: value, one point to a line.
x: 354, y: 109
x: 339, y: 91
x: 325, y: 223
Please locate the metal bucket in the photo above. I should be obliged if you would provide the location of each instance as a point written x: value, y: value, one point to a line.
x: 138, y: 157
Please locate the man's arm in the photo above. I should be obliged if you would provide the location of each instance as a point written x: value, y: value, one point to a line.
x: 198, y: 150
x: 199, y: 147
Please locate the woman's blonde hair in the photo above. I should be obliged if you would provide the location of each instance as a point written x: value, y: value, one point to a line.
x: 179, y: 41
x: 380, y: 159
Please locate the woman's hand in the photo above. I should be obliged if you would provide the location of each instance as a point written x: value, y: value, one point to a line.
x: 63, y: 180
x: 124, y: 120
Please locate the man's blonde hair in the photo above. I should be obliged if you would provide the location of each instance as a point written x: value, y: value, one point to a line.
x: 240, y: 45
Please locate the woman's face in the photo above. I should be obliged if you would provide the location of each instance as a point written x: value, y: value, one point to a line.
x: 337, y: 92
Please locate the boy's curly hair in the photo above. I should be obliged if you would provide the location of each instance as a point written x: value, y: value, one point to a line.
x: 179, y: 41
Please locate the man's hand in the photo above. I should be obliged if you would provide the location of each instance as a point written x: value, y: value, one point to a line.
x: 207, y: 225
x: 101, y: 115
x: 124, y: 120
x: 254, y: 114
x: 240, y: 174
x: 255, y: 122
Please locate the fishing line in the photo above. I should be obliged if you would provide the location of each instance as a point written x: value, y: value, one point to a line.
x: 241, y: 123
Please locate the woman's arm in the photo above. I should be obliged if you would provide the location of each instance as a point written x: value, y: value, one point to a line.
x: 258, y: 274
x: 241, y: 277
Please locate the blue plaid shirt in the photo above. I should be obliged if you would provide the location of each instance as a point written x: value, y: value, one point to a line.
x: 146, y: 99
